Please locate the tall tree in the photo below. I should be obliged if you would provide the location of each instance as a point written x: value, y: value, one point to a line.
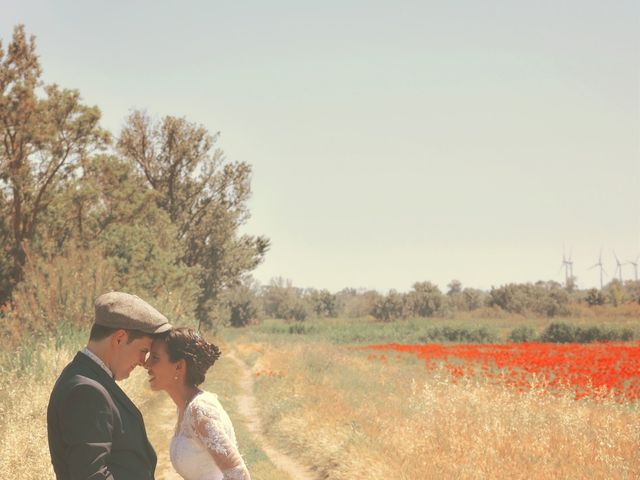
x: 46, y: 134
x: 204, y: 195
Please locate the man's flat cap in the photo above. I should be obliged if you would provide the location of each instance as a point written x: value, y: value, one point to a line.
x: 122, y: 310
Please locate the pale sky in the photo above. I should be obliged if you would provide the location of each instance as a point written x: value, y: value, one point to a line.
x: 391, y: 142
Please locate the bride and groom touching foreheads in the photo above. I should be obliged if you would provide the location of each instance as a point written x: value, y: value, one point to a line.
x: 96, y: 432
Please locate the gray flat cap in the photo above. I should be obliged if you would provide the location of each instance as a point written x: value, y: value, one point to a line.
x: 122, y: 310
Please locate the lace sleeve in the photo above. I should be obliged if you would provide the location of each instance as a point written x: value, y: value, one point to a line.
x: 208, y: 425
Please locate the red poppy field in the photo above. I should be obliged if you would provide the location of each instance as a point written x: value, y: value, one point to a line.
x: 588, y: 370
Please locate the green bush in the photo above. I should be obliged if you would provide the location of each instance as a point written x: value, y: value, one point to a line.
x: 301, y: 329
x: 563, y: 333
x: 390, y: 307
x: 459, y: 335
x: 242, y: 306
x: 522, y: 334
x: 558, y: 333
x: 595, y: 297
x: 543, y: 298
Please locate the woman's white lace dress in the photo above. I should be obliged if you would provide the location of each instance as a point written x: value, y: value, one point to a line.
x: 205, y: 429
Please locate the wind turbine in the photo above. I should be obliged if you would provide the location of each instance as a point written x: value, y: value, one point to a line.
x: 635, y: 266
x: 567, y: 264
x: 618, y: 267
x: 599, y: 264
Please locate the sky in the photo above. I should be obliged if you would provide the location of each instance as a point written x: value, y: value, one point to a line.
x: 391, y: 142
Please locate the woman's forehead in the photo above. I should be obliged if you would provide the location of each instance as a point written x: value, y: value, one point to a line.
x: 158, y: 346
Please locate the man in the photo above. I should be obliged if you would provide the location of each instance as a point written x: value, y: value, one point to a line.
x: 95, y: 431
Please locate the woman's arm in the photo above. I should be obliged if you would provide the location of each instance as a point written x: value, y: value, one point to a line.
x: 208, y: 428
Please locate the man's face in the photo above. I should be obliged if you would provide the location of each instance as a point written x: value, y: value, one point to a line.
x: 129, y: 356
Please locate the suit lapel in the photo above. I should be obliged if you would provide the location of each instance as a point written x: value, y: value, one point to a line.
x: 114, y: 389
x: 107, y: 382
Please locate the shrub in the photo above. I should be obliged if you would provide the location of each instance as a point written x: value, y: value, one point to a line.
x: 298, y: 312
x: 459, y: 334
x: 425, y: 300
x: 358, y: 304
x: 543, y: 298
x: 522, y: 334
x: 243, y: 306
x: 282, y: 300
x: 301, y: 329
x: 595, y: 297
x: 389, y: 307
x: 558, y: 333
x: 57, y: 290
x: 564, y: 333
x: 323, y: 303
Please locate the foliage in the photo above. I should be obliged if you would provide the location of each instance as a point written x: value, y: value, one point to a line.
x: 57, y: 290
x: 543, y: 298
x: 522, y: 334
x: 356, y: 304
x: 614, y: 292
x: 473, y: 299
x: 241, y: 306
x: 323, y: 303
x: 459, y: 334
x: 282, y: 300
x: 61, y: 289
x: 559, y: 332
x: 46, y: 135
x: 164, y: 216
x: 204, y: 196
x: 425, y: 299
x: 390, y: 307
x: 595, y: 297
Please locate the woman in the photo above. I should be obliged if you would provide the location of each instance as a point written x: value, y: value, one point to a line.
x: 204, y: 445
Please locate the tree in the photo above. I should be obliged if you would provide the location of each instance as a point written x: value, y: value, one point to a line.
x: 614, y: 292
x: 390, y: 307
x: 425, y: 300
x: 240, y: 305
x: 595, y: 297
x: 358, y: 303
x: 44, y: 141
x: 112, y: 209
x: 543, y: 298
x: 205, y: 197
x: 323, y: 303
x: 473, y: 298
x: 455, y: 287
x: 282, y: 300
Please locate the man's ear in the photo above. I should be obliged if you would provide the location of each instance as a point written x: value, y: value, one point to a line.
x: 119, y: 337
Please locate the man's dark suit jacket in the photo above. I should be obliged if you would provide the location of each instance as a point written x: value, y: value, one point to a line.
x: 95, y: 431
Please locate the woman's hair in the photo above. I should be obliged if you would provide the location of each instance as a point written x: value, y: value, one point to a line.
x: 184, y: 343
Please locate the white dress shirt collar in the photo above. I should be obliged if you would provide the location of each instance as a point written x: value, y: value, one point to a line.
x: 97, y: 359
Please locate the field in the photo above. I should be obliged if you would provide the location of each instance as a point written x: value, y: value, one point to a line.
x: 356, y: 410
x: 359, y: 399
x: 593, y: 370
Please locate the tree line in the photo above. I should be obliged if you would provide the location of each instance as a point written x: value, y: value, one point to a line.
x: 250, y: 302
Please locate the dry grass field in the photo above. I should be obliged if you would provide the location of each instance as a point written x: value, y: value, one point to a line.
x: 25, y: 385
x: 26, y: 379
x: 351, y: 417
x: 347, y: 414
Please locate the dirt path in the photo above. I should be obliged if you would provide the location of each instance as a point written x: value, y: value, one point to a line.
x: 248, y: 409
